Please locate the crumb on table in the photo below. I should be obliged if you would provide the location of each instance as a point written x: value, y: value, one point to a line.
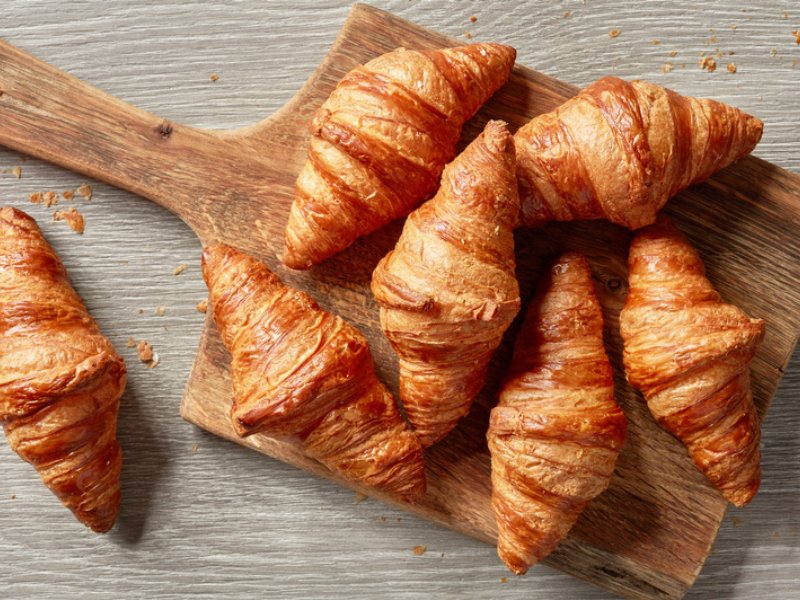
x: 50, y: 199
x: 214, y: 77
x: 419, y: 550
x: 180, y: 269
x: 17, y: 172
x: 73, y: 218
x: 36, y: 198
x: 85, y: 190
x: 131, y: 342
x: 731, y: 68
x: 614, y: 32
x: 68, y: 194
x: 202, y: 306
x: 160, y: 311
x: 708, y: 63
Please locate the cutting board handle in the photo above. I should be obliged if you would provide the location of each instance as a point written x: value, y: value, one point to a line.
x: 49, y: 114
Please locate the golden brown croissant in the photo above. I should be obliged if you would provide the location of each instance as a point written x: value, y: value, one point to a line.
x: 298, y: 370
x: 448, y: 290
x: 380, y: 141
x: 556, y: 432
x: 60, y: 379
x: 619, y: 150
x: 689, y: 353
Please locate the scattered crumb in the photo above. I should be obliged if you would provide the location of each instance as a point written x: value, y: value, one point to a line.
x: 731, y: 68
x: 736, y: 521
x: 141, y: 311
x: 419, y: 550
x: 85, y: 190
x: 795, y: 33
x: 36, y: 198
x: 733, y: 27
x: 614, y: 32
x: 656, y: 42
x: 68, y: 195
x: 708, y: 63
x: 145, y: 351
x: 50, y: 199
x: 13, y: 496
x: 776, y: 535
x: 714, y: 39
x: 194, y: 448
x: 674, y: 53
x: 360, y: 497
x: 473, y: 18
x: 399, y: 519
x: 773, y: 52
x: 568, y: 14
x: 214, y: 77
x: 441, y: 555
x: 180, y: 269
x: 468, y: 35
x: 383, y: 518
x: 667, y: 67
x: 504, y: 580
x: 73, y: 218
x: 17, y: 171
x: 202, y: 306
x: 131, y: 342
x: 160, y: 311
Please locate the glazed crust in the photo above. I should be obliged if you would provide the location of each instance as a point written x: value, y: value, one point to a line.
x: 300, y: 371
x: 619, y: 150
x: 60, y: 379
x: 380, y: 141
x: 448, y: 290
x: 689, y: 353
x: 556, y: 432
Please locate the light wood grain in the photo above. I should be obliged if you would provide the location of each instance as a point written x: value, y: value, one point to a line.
x: 353, y: 555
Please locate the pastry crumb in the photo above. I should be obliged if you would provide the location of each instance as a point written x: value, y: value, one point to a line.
x: 180, y: 269
x: 50, y: 199
x: 68, y: 195
x: 131, y: 342
x: 360, y: 497
x: 504, y: 580
x: 674, y: 53
x: 667, y: 67
x: 160, y: 311
x: 144, y: 350
x: 85, y: 190
x: 473, y: 18
x: 441, y: 555
x: 73, y: 218
x: 383, y: 518
x: 567, y: 14
x: 17, y: 171
x: 468, y: 35
x: 194, y: 448
x: 733, y: 27
x: 214, y: 77
x: 202, y: 306
x: 708, y: 63
x: 736, y: 521
x: 796, y: 35
x: 419, y: 550
x: 614, y: 32
x: 773, y: 52
x: 36, y: 198
x: 731, y: 68
x: 656, y: 42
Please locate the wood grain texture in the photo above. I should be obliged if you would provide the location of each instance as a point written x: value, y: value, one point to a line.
x: 185, y: 485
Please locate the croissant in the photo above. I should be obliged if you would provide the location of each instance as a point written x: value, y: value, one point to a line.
x: 300, y: 371
x: 556, y: 432
x: 448, y: 291
x: 619, y: 150
x: 60, y: 379
x: 689, y: 353
x: 380, y: 141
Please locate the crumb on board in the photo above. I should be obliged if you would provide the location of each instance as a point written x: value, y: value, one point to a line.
x: 360, y: 497
x: 73, y: 218
x: 131, y: 342
x: 419, y: 550
x: 17, y: 172
x: 68, y: 195
x: 773, y: 52
x: 194, y: 448
x: 504, y: 580
x: 674, y: 53
x: 180, y: 269
x: 214, y: 77
x: 160, y: 311
x: 667, y: 67
x: 733, y: 27
x: 146, y: 354
x: 736, y: 521
x: 731, y: 68
x: 708, y: 63
x: 656, y: 42
x: 50, y: 199
x: 141, y: 311
x: 614, y: 32
x: 796, y: 35
x: 473, y: 18
x: 36, y: 198
x: 567, y: 14
x: 383, y: 518
x: 85, y: 190
x: 441, y: 555
x: 468, y: 35
x: 202, y: 306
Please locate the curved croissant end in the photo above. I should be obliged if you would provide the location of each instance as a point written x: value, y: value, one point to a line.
x: 689, y: 354
x: 556, y: 432
x: 619, y: 150
x: 300, y: 370
x: 380, y: 141
x: 60, y: 379
x: 448, y: 290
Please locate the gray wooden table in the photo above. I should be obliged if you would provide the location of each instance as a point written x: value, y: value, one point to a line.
x: 202, y: 516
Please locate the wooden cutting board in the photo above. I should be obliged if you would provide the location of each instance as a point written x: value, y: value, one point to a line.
x: 648, y: 535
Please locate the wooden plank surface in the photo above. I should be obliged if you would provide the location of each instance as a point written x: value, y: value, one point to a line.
x: 169, y: 487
